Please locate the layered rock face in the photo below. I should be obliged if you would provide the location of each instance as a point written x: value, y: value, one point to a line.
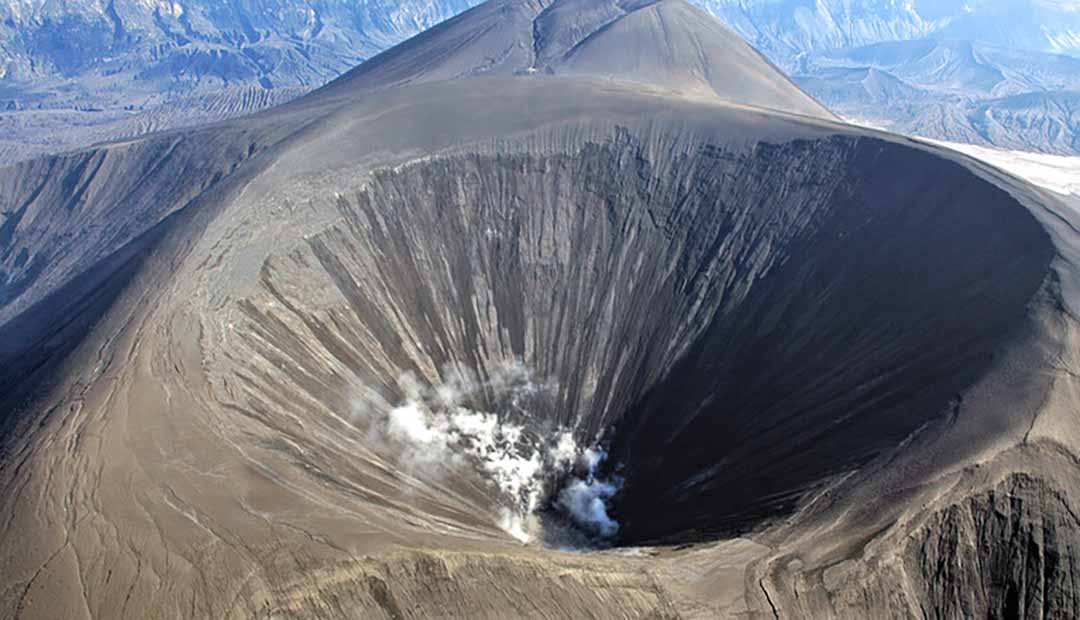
x: 1007, y: 553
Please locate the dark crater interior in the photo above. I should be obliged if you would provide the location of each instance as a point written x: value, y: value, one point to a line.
x: 737, y: 324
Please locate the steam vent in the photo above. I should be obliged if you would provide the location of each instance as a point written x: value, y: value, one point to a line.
x: 568, y: 309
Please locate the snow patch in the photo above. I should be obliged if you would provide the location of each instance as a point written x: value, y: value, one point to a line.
x: 1057, y: 173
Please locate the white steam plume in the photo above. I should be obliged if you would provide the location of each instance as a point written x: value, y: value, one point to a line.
x: 432, y: 426
x: 585, y: 499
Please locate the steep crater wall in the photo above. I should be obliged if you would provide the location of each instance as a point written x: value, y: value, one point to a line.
x: 738, y: 325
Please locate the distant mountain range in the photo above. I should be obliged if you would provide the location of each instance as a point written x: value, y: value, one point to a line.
x: 992, y: 72
x: 99, y: 69
x: 785, y: 29
x: 206, y: 42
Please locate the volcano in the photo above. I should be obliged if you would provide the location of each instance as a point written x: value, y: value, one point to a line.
x: 559, y: 309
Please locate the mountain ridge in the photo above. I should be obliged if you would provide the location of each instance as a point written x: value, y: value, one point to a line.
x: 591, y: 44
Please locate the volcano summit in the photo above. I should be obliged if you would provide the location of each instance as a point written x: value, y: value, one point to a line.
x: 559, y: 309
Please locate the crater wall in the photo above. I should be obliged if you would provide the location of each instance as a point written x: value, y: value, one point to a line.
x: 736, y: 324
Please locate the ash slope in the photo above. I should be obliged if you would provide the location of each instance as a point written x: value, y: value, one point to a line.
x: 670, y: 46
x: 195, y: 403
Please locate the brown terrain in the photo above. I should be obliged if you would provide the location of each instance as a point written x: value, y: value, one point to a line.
x: 246, y: 368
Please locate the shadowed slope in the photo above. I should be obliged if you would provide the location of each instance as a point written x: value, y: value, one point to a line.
x: 858, y: 339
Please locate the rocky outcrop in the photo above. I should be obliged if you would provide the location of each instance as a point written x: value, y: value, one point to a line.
x: 1011, y: 552
x: 1007, y: 551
